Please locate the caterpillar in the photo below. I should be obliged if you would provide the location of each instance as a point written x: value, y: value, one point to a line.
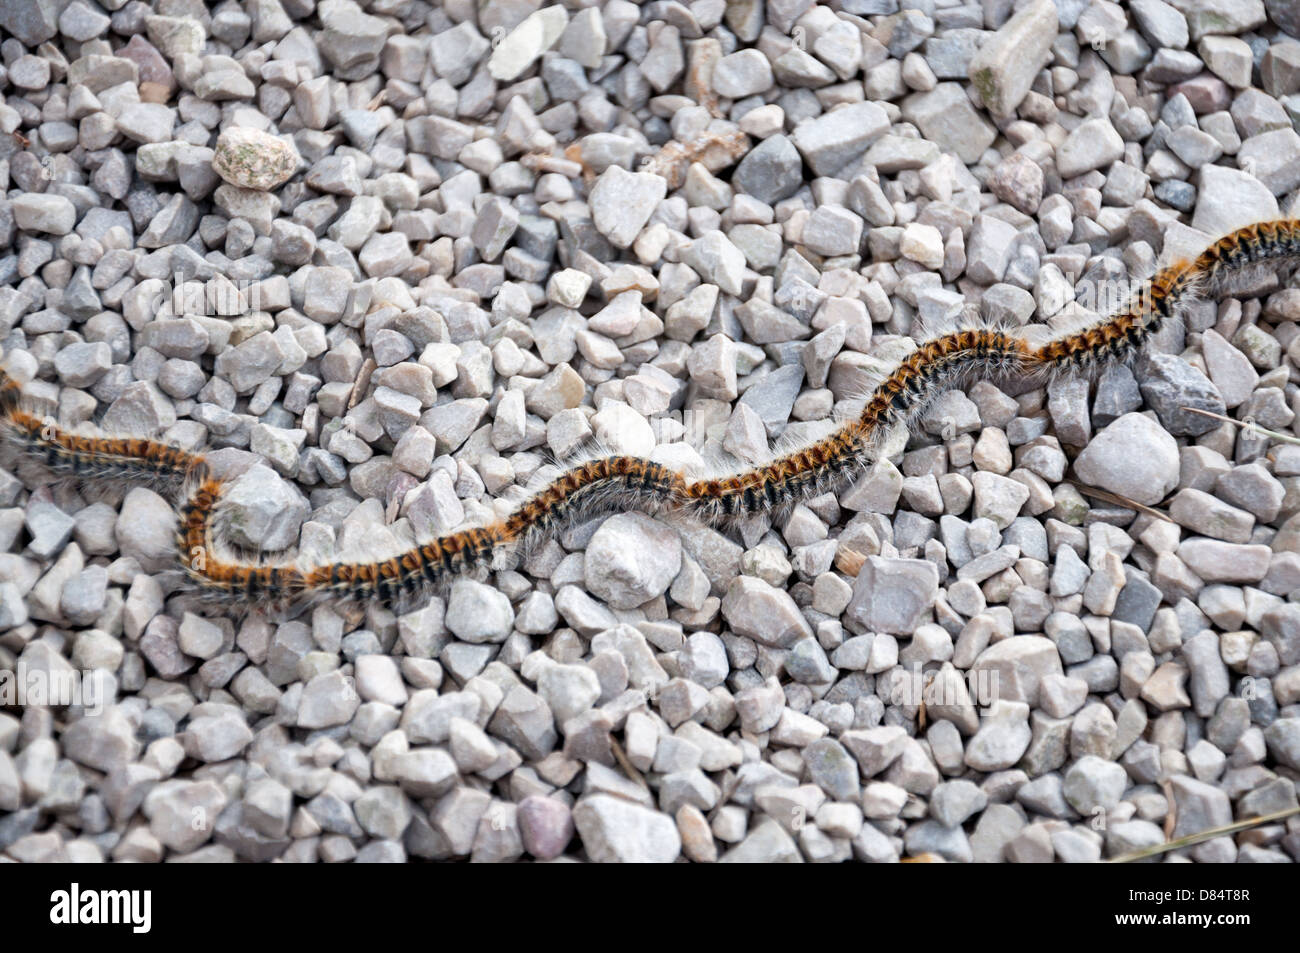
x: 405, y: 580
x: 614, y: 483
x: 86, y: 456
x: 832, y: 462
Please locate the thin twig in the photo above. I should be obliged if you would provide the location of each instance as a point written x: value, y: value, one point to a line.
x: 1285, y: 438
x: 621, y: 757
x: 1171, y: 816
x: 362, y: 383
x: 1205, y: 835
x: 1116, y: 498
x: 849, y: 561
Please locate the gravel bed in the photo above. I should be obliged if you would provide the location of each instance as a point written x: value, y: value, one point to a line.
x: 390, y: 261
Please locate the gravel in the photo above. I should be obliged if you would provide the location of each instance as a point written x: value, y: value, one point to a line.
x: 389, y: 262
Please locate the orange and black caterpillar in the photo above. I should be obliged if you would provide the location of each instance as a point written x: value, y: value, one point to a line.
x: 90, y: 457
x: 615, y: 483
x: 1213, y: 272
x: 592, y: 489
x: 834, y: 461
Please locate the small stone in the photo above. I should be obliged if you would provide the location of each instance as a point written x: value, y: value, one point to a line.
x: 545, y: 826
x: 760, y: 707
x: 946, y: 117
x: 1206, y: 514
x: 1209, y: 676
x: 145, y: 529
x: 217, y: 737
x: 524, y: 721
x: 616, y: 831
x: 1230, y: 370
x: 521, y: 47
x: 41, y: 212
x: 1093, y: 784
x: 1194, y: 147
x: 1003, y: 737
x: 1005, y: 67
x: 262, y: 511
x: 146, y: 122
x: 1220, y: 16
x: 622, y: 202
x: 252, y: 159
x: 49, y: 527
x: 631, y: 559
x: 832, y: 231
x: 569, y: 690
x: 199, y: 637
x: 998, y: 498
x: 715, y: 259
x: 383, y: 812
x: 30, y: 21
x: 1216, y: 561
x: 29, y: 72
x: 350, y: 39
x: 767, y: 843
x: 80, y: 22
x: 832, y: 768
x: 757, y: 610
x: 1283, y: 740
x: 1162, y: 22
x: 1199, y: 806
x: 328, y: 699
x: 1170, y: 386
x: 922, y: 244
x: 1020, y: 664
x: 1093, y: 145
x: 953, y: 802
x: 477, y: 613
x: 893, y: 595
x: 1228, y: 199
x: 1229, y: 58
x: 378, y: 679
x: 988, y: 251
x: 743, y: 73
x: 1107, y: 461
x: 831, y: 141
x: 771, y: 171
x: 1018, y: 180
x: 183, y: 814
x: 103, y: 742
x: 584, y: 39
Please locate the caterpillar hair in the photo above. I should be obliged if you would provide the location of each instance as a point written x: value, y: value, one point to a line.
x: 836, y: 460
x: 1238, y: 258
x: 1121, y: 336
x: 1232, y: 261
x: 612, y: 483
x: 90, y: 456
x: 595, y: 488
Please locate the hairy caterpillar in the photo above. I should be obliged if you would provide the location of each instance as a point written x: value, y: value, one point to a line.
x: 611, y: 483
x: 90, y: 457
